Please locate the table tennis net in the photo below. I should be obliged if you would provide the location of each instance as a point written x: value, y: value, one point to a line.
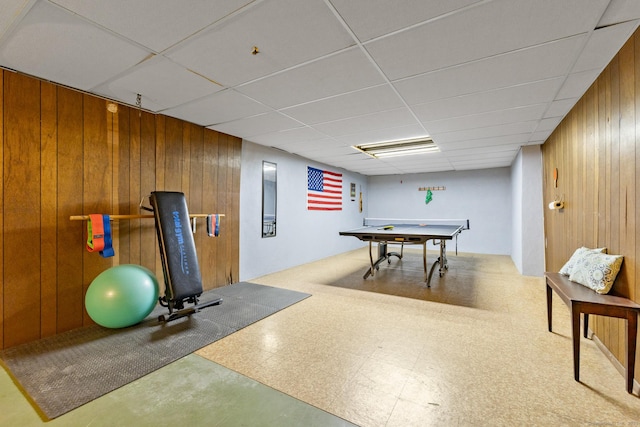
x: 405, y: 221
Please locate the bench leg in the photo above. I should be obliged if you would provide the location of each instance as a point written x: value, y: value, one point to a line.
x: 549, y: 306
x: 575, y: 335
x: 632, y: 330
x: 585, y: 324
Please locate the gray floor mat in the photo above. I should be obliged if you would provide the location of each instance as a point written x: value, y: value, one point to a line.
x: 63, y: 372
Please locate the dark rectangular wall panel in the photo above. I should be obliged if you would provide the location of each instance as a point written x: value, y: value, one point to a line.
x: 596, y: 152
x: 48, y: 203
x: 65, y: 153
x: 22, y: 211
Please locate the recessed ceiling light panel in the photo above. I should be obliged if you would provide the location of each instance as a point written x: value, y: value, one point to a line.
x: 398, y: 148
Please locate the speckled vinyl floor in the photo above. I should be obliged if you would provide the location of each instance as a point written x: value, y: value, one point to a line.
x: 472, y: 350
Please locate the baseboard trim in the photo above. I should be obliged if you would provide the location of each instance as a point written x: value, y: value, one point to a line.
x: 614, y: 361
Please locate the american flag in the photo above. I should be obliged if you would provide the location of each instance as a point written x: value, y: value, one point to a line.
x: 324, y: 190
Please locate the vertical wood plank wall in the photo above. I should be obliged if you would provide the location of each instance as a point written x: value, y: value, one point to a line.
x: 596, y: 151
x: 64, y: 153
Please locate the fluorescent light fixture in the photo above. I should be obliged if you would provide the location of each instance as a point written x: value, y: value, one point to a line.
x: 398, y: 148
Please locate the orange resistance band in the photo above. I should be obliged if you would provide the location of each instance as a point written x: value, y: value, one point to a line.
x: 95, y: 233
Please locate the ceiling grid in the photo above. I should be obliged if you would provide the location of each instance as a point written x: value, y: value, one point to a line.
x: 481, y: 78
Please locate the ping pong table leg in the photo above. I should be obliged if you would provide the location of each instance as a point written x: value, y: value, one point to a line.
x: 371, y: 270
x: 382, y: 255
x: 441, y: 262
x: 424, y: 261
x: 443, y: 257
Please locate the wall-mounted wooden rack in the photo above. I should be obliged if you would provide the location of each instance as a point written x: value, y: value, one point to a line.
x: 438, y: 188
x: 86, y: 217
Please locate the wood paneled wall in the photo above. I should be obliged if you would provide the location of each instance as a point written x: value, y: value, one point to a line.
x: 597, y: 154
x: 64, y: 153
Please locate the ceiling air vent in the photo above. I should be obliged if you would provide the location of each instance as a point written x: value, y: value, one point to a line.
x: 398, y: 148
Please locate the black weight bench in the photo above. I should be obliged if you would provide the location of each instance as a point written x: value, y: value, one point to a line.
x: 581, y: 299
x: 182, y: 279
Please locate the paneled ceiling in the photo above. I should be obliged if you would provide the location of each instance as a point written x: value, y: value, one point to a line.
x: 481, y: 78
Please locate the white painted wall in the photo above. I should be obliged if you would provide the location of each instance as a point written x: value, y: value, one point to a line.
x: 504, y: 206
x: 528, y: 216
x: 516, y: 197
x: 482, y: 196
x: 302, y: 236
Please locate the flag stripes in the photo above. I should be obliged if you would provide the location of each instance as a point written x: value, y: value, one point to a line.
x: 324, y: 190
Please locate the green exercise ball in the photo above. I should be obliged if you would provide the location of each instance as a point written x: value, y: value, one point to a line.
x: 122, y: 296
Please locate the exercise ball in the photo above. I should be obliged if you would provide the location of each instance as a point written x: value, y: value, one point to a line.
x: 122, y: 296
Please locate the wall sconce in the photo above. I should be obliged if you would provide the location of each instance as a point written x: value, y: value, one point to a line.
x: 556, y: 204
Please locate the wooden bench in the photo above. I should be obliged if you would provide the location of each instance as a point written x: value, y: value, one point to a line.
x: 581, y: 299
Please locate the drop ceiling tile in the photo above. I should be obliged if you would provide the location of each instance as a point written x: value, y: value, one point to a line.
x: 430, y: 169
x: 316, y: 146
x: 486, y: 132
x: 499, y: 26
x: 500, y: 99
x: 577, y: 84
x: 345, y: 71
x: 257, y: 125
x: 560, y: 107
x: 365, y: 101
x: 375, y: 165
x: 539, y: 137
x: 491, y: 118
x: 11, y: 11
x: 522, y: 66
x: 360, y: 167
x: 471, y: 152
x: 328, y: 147
x: 416, y: 160
x: 355, y: 159
x: 127, y: 97
x: 383, y: 135
x: 220, y: 107
x: 533, y: 143
x: 281, y: 138
x: 424, y: 168
x: 368, y: 122
x: 444, y: 167
x: 549, y: 124
x: 162, y: 84
x: 482, y: 164
x: 287, y: 33
x: 486, y: 142
x: 345, y: 162
x: 55, y: 45
x: 608, y: 39
x: 620, y: 11
x: 156, y: 24
x: 379, y: 169
x: 503, y: 155
x: 493, y: 67
x: 369, y: 19
x: 321, y: 152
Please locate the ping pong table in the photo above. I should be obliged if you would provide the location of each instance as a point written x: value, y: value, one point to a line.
x: 414, y: 232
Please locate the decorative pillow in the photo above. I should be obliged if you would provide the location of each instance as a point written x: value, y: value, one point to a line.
x: 566, y: 269
x: 597, y: 271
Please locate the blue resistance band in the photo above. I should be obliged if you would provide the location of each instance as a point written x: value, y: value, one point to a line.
x: 108, y: 243
x: 213, y: 225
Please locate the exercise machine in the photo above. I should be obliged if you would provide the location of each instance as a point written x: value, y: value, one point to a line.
x: 182, y: 279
